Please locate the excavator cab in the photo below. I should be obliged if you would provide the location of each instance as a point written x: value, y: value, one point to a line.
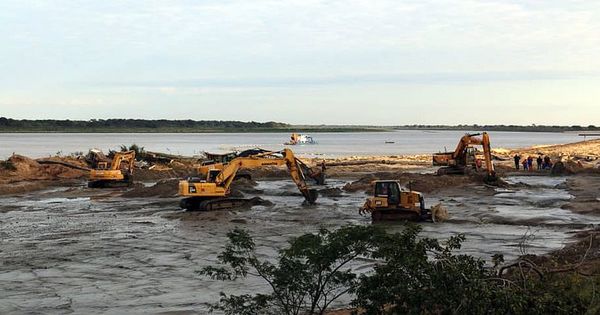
x: 212, y: 175
x: 119, y: 173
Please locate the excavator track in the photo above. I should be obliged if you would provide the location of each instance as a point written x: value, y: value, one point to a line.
x: 215, y: 204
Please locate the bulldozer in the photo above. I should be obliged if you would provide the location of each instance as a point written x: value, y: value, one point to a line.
x: 464, y: 158
x: 116, y: 173
x: 212, y: 192
x: 391, y: 202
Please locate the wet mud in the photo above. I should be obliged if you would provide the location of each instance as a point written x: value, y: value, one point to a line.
x: 74, y: 249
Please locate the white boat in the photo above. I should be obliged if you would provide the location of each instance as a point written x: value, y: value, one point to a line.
x: 297, y: 138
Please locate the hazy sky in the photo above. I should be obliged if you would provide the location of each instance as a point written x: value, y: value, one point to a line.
x: 335, y: 62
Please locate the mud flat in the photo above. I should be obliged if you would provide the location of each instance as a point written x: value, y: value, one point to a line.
x: 67, y: 248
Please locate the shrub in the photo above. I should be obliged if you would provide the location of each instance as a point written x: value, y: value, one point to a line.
x: 412, y: 275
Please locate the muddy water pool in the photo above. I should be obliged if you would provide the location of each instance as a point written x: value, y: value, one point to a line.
x: 89, y: 251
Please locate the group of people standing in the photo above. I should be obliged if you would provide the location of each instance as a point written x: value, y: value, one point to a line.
x: 542, y: 163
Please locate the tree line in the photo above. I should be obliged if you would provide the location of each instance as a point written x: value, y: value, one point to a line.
x: 11, y: 125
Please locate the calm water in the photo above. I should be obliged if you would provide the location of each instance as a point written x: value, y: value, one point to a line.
x: 329, y: 144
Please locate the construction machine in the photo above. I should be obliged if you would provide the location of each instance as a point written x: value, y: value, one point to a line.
x: 116, y: 173
x: 391, y: 202
x: 212, y: 192
x: 218, y: 161
x: 464, y: 158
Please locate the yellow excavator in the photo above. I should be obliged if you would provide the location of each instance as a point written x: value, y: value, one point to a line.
x: 212, y: 192
x: 116, y: 173
x: 464, y: 158
x: 317, y: 174
x: 391, y: 202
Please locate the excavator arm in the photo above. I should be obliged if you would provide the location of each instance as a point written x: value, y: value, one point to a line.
x: 458, y: 160
x: 296, y: 169
x: 484, y: 142
x: 120, y: 157
x: 487, y: 152
x: 113, y: 176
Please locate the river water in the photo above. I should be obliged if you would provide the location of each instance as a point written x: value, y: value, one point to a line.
x: 329, y: 144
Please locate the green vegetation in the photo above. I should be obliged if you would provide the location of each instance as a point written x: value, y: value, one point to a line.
x: 161, y: 126
x: 140, y: 152
x: 411, y: 275
x: 7, y: 165
x: 8, y: 125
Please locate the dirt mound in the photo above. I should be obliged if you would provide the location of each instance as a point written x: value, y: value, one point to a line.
x: 149, y: 175
x: 25, y: 167
x: 331, y: 192
x: 582, y: 256
x: 162, y: 189
x: 269, y: 172
x: 18, y: 168
x: 420, y: 182
x: 244, y: 185
x: 585, y: 190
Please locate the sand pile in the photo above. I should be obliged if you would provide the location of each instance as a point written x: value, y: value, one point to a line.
x: 169, y: 188
x: 420, y: 182
x: 244, y: 186
x: 269, y: 172
x: 583, y: 149
x: 586, y: 190
x: 151, y: 175
x: 162, y: 189
x: 18, y: 168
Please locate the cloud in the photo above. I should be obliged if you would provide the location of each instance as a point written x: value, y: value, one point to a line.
x: 127, y: 51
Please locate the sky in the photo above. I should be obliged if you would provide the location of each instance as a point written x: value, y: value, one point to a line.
x: 303, y: 62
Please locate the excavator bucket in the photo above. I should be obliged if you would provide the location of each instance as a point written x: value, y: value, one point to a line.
x: 310, y: 195
x: 491, y: 179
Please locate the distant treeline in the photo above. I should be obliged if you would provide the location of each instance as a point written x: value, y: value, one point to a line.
x: 161, y: 125
x: 164, y: 125
x: 530, y: 128
x: 126, y: 125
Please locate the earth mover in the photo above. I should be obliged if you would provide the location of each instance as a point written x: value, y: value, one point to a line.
x: 116, y: 173
x: 464, y: 158
x: 390, y: 202
x: 212, y: 192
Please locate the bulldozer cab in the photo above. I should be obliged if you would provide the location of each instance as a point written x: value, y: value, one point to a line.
x: 389, y: 190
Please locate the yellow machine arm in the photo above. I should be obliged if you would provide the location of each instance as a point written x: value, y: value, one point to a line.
x: 472, y: 139
x: 113, y: 176
x: 226, y: 176
x: 120, y: 157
